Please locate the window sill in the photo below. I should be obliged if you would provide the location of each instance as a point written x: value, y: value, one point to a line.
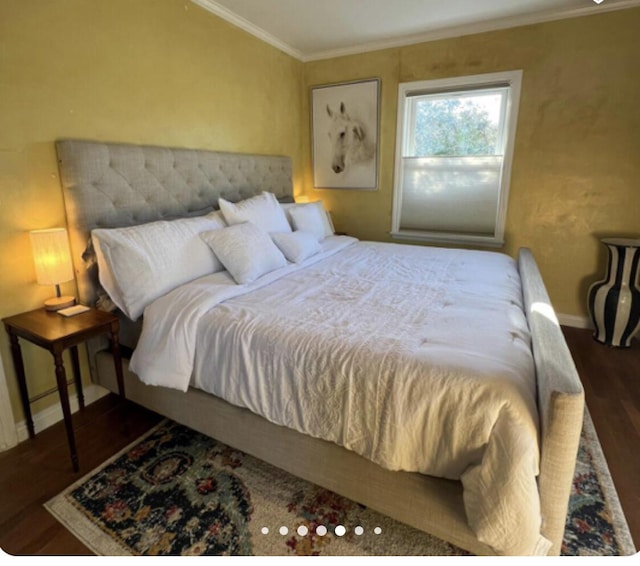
x: 439, y: 238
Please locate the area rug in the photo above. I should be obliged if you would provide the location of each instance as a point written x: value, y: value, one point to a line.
x: 177, y: 492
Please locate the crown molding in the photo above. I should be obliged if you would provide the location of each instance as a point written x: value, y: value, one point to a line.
x: 474, y: 28
x: 432, y: 35
x: 233, y: 18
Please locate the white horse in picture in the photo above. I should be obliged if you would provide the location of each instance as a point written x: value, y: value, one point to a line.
x: 345, y: 135
x: 351, y: 141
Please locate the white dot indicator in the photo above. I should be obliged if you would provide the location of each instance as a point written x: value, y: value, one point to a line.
x: 303, y: 531
x: 264, y: 530
x: 358, y: 530
x: 340, y: 531
x: 377, y: 530
x: 284, y: 531
x: 321, y: 530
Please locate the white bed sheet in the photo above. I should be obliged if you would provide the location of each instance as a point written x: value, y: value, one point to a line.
x: 416, y: 358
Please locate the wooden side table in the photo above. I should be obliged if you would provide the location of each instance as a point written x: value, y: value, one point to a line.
x: 56, y: 333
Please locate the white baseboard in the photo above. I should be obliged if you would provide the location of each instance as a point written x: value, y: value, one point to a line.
x: 575, y: 321
x: 52, y: 415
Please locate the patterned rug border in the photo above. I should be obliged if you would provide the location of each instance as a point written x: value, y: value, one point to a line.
x: 99, y: 542
x: 619, y: 521
x: 88, y: 533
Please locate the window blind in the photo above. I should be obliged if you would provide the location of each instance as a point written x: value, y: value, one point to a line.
x: 451, y: 194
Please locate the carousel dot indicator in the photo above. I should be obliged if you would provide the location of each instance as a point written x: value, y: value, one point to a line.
x: 264, y: 530
x: 358, y: 530
x: 303, y: 531
x: 377, y: 530
x: 284, y: 530
x: 340, y: 530
x: 321, y: 530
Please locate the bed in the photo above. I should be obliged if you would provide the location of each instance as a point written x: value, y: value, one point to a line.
x: 527, y: 448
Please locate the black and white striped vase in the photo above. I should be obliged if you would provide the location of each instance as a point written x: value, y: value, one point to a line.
x: 614, y: 303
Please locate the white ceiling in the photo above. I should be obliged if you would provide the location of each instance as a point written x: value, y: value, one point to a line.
x: 316, y: 29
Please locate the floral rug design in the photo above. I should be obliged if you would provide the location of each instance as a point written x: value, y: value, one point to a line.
x: 173, y: 493
x: 178, y: 492
x: 595, y: 521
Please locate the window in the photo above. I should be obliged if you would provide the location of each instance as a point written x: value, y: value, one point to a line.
x: 453, y: 161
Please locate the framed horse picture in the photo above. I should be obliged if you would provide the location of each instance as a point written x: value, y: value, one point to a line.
x: 344, y: 130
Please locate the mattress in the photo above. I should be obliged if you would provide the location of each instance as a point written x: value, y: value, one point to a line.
x: 416, y: 358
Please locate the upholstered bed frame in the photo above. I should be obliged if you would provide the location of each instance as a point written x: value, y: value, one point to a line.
x: 113, y: 185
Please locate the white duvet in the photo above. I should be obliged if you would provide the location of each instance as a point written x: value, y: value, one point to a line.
x: 416, y: 358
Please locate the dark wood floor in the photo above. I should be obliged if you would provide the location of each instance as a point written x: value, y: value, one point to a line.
x: 38, y: 469
x: 611, y: 380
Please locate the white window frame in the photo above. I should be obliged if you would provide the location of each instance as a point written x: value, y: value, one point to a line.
x: 513, y: 79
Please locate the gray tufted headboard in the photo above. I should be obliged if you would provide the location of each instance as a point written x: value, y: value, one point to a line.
x: 109, y: 185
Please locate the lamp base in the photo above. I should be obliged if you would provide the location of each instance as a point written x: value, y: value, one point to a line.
x: 57, y: 303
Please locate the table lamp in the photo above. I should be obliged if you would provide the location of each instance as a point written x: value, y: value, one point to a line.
x: 53, y: 263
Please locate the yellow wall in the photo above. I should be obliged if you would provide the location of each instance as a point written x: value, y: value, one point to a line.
x: 139, y: 71
x: 576, y: 168
x: 169, y: 73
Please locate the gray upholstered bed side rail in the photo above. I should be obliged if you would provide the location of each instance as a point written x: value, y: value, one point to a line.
x: 560, y: 401
x: 109, y: 185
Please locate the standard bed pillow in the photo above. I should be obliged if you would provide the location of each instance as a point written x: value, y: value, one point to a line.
x: 311, y: 217
x: 245, y: 250
x: 138, y: 264
x: 297, y: 246
x: 263, y: 211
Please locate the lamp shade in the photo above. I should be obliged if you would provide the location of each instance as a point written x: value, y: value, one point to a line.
x: 51, y: 256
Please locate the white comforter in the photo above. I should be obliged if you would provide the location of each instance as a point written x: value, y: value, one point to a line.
x: 416, y: 358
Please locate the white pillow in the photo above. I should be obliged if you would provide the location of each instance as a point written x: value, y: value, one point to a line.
x: 245, y: 250
x: 311, y: 217
x: 263, y: 211
x: 138, y: 264
x: 297, y: 246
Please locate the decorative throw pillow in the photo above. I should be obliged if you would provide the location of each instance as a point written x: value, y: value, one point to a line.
x: 263, y: 211
x: 311, y: 217
x: 138, y: 264
x: 297, y: 246
x: 245, y: 250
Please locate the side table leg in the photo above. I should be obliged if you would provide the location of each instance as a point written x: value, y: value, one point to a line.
x: 117, y: 358
x: 75, y: 362
x: 61, y: 378
x: 16, y: 354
